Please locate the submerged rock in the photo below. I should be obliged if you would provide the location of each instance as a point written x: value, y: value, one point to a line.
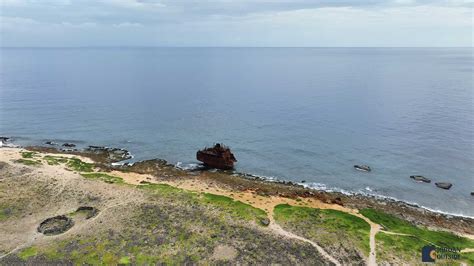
x: 364, y: 168
x: 52, y: 143
x: 444, y: 185
x: 420, y: 178
x: 109, y: 155
x: 472, y: 193
x: 69, y: 145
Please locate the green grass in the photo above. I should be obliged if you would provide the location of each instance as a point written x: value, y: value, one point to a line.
x: 53, y: 254
x: 236, y: 207
x: 229, y: 205
x: 468, y: 257
x: 28, y: 154
x: 79, y: 166
x: 29, y: 162
x: 104, y: 177
x: 26, y: 253
x: 3, y: 213
x: 324, y: 226
x: 162, y: 188
x: 408, y: 248
x: 124, y: 260
x: 55, y: 160
x: 397, y: 225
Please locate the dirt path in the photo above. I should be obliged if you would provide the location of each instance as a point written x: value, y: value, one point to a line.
x: 280, y: 231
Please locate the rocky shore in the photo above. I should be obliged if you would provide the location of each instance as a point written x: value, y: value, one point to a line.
x: 161, y: 169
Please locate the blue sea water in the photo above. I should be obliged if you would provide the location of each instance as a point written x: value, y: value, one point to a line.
x: 288, y: 113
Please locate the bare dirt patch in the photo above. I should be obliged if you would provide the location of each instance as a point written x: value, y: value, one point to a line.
x: 224, y: 252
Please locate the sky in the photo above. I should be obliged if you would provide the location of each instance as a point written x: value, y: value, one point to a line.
x: 235, y: 23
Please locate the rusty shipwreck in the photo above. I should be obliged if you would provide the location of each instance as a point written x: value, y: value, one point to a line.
x: 219, y: 157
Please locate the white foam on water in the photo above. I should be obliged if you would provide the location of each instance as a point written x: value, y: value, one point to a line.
x: 188, y: 166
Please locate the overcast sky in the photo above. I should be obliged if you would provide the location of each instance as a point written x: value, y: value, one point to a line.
x: 236, y: 23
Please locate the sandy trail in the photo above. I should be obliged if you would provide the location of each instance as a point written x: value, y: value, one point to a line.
x: 280, y: 231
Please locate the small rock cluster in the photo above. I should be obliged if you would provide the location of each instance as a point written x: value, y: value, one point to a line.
x: 110, y: 154
x: 420, y: 178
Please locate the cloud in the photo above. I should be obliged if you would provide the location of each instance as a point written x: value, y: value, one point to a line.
x: 237, y: 22
x: 135, y: 3
x: 127, y: 25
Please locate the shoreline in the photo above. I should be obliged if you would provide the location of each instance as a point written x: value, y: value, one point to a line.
x: 241, y: 182
x: 249, y: 176
x: 349, y: 193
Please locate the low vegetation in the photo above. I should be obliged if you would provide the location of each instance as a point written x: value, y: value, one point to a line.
x: 236, y: 208
x: 324, y: 226
x: 29, y: 162
x: 76, y: 164
x: 55, y: 160
x: 29, y: 154
x: 4, y: 212
x: 27, y: 253
x: 104, y: 177
x: 407, y: 245
x: 228, y: 205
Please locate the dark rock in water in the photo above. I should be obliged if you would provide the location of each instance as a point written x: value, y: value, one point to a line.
x: 303, y: 181
x: 472, y: 193
x: 265, y: 221
x: 420, y: 178
x: 3, y: 141
x: 69, y: 145
x: 55, y: 225
x: 110, y: 155
x: 51, y: 143
x: 364, y: 168
x: 444, y: 185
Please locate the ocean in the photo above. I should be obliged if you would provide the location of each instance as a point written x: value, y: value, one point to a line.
x: 287, y: 113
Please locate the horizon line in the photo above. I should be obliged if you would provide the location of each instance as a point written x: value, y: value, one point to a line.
x: 177, y: 46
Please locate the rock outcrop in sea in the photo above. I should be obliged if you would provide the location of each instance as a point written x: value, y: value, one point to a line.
x: 444, y: 185
x: 420, y: 178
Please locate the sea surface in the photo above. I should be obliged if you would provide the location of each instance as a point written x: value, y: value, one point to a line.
x: 287, y: 113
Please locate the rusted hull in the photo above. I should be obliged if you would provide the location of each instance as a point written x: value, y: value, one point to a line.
x: 214, y: 161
